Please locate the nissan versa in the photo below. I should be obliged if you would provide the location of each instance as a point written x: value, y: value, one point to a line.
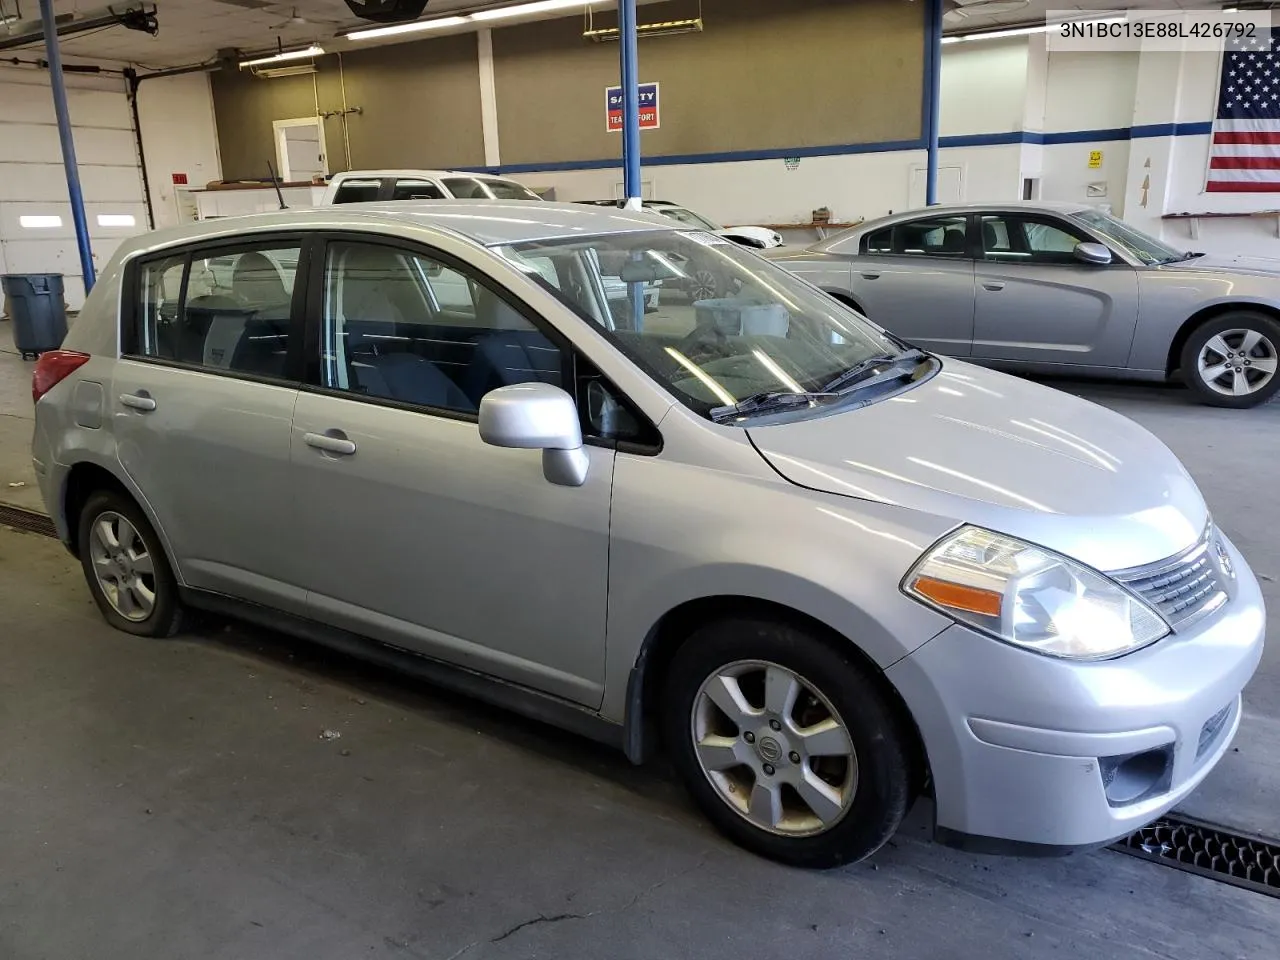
x: 827, y: 571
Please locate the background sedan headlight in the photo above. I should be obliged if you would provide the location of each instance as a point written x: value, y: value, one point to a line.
x: 1032, y: 597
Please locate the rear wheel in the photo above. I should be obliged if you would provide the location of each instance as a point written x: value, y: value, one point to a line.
x: 126, y: 569
x: 1231, y: 360
x: 786, y: 743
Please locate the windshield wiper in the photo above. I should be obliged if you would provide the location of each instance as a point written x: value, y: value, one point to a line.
x: 877, y: 368
x: 766, y: 401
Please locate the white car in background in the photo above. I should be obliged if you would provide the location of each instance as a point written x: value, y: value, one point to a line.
x: 762, y: 238
x: 367, y: 186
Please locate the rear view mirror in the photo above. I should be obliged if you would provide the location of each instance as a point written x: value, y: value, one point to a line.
x: 434, y: 269
x: 1094, y: 253
x: 537, y: 416
x: 639, y: 271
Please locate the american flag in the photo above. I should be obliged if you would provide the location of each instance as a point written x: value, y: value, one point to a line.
x: 1245, y: 154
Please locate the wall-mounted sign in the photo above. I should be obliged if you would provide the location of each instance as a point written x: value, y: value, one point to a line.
x: 179, y: 179
x: 792, y: 163
x: 648, y: 108
x: 1095, y: 159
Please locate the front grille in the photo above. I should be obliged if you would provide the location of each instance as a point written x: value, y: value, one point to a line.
x: 1181, y: 588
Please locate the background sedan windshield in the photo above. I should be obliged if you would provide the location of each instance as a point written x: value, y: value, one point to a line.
x: 711, y: 321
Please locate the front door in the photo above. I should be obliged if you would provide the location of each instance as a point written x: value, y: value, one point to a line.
x: 413, y: 530
x: 915, y: 279
x: 1036, y: 303
x: 202, y: 401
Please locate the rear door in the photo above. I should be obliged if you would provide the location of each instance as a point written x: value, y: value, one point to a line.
x: 202, y: 404
x: 1036, y: 303
x: 915, y: 279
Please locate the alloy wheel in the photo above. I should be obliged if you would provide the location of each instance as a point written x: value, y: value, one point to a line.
x: 704, y: 285
x: 1237, y: 362
x: 774, y: 748
x: 122, y: 566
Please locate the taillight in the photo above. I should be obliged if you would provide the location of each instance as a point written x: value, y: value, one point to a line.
x: 52, y: 368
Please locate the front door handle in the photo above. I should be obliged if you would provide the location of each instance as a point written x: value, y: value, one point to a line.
x: 329, y: 443
x: 870, y: 274
x: 993, y: 285
x: 138, y: 401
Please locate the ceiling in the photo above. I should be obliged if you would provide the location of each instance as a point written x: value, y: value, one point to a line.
x: 192, y: 31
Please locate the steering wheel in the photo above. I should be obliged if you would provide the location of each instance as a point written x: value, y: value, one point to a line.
x: 702, y: 341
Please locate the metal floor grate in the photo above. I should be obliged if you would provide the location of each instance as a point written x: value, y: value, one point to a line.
x: 1240, y: 859
x: 29, y: 520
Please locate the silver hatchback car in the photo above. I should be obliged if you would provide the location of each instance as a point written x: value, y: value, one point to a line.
x: 828, y: 572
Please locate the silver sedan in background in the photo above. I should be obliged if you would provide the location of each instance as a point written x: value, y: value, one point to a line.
x: 1059, y: 288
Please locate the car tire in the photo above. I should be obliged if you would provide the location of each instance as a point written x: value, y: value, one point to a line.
x: 126, y: 567
x: 744, y: 774
x: 1244, y: 345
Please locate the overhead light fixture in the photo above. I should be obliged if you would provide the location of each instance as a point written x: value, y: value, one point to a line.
x: 1024, y: 31
x: 314, y: 50
x: 648, y: 29
x: 418, y: 25
x: 117, y: 220
x: 39, y: 221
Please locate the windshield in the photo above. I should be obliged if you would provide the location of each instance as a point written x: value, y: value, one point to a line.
x: 687, y: 217
x: 712, y: 322
x: 510, y: 190
x: 1147, y: 249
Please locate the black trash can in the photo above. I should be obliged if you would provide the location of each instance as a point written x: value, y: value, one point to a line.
x: 38, y: 311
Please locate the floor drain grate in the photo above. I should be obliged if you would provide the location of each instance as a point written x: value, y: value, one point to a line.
x: 1216, y: 852
x: 28, y: 520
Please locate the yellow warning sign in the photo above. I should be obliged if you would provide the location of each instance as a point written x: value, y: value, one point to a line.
x: 1095, y: 159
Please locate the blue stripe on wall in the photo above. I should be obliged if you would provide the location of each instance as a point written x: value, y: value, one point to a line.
x: 844, y: 149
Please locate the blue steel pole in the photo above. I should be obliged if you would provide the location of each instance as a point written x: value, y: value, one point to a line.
x: 932, y: 95
x: 58, y: 83
x: 630, y: 99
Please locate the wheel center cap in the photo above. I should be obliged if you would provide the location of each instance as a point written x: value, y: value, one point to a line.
x: 769, y: 749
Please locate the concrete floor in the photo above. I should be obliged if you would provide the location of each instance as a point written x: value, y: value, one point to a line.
x: 179, y: 800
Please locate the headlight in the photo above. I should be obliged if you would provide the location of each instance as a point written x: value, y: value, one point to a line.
x: 1031, y: 597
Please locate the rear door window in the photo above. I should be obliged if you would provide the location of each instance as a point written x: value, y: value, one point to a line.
x: 227, y: 309
x: 929, y: 237
x: 416, y: 190
x: 357, y: 191
x: 466, y: 188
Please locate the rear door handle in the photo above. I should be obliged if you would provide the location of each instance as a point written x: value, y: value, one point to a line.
x: 870, y: 275
x: 138, y: 401
x: 993, y: 285
x: 330, y: 444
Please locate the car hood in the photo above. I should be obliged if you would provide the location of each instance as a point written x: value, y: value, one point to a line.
x: 770, y: 239
x: 976, y: 446
x: 1225, y: 263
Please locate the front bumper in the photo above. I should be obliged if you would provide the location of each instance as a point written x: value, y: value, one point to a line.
x: 1023, y: 749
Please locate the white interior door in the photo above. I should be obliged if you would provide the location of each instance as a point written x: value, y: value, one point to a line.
x: 300, y: 154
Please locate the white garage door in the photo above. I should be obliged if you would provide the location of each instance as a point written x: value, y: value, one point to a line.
x: 36, y: 231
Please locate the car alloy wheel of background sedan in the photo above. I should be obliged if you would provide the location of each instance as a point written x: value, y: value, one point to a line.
x: 774, y: 748
x: 1237, y: 362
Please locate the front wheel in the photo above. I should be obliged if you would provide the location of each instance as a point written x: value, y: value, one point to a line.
x: 786, y: 743
x: 126, y: 568
x: 1231, y: 360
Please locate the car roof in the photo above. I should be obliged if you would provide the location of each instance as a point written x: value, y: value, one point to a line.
x: 954, y: 209
x: 487, y: 222
x: 417, y: 174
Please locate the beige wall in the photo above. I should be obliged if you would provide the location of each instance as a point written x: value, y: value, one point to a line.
x: 763, y: 75
x: 420, y: 108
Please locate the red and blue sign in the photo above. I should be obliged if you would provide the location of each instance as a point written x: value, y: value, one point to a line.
x: 648, y: 107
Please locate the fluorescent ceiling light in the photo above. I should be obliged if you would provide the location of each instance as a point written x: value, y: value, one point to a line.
x: 438, y: 24
x: 520, y: 9
x: 1024, y: 31
x: 117, y: 220
x: 39, y: 221
x: 314, y: 50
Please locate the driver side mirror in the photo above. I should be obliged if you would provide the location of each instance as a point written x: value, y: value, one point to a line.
x: 1096, y: 254
x: 537, y: 416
